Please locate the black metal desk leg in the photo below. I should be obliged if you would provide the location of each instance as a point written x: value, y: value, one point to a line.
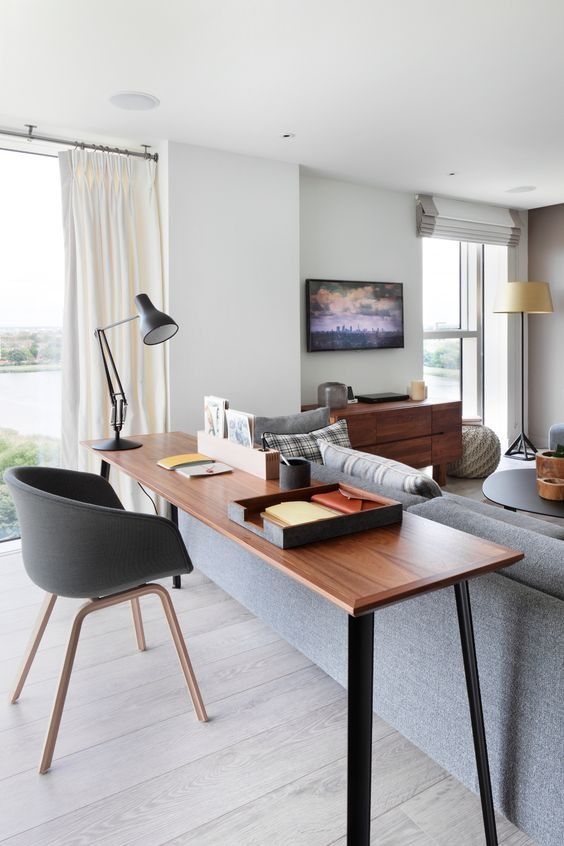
x: 361, y: 683
x: 176, y: 580
x: 104, y: 469
x: 475, y: 702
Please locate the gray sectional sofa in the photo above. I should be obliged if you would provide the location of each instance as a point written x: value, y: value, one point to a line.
x: 419, y: 679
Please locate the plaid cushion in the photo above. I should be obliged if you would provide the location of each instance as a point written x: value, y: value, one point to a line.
x: 306, y: 446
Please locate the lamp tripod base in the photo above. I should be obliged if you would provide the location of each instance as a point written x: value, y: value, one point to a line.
x: 518, y: 448
x: 115, y: 444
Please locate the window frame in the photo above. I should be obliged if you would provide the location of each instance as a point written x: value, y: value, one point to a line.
x: 470, y: 275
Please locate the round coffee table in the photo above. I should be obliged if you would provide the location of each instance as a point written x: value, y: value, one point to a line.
x: 516, y: 490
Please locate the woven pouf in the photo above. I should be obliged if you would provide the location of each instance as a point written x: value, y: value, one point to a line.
x: 481, y: 451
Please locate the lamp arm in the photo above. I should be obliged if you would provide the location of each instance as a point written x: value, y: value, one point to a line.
x: 117, y: 323
x: 117, y: 397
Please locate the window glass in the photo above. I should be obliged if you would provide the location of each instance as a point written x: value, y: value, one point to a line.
x: 441, y: 368
x: 441, y: 284
x: 31, y: 312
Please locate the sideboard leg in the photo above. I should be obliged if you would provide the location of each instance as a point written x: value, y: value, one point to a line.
x: 475, y: 704
x: 439, y: 474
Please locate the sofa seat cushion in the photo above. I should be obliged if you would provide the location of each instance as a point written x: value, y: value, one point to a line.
x: 542, y: 567
x: 515, y: 518
x: 384, y: 471
x: 292, y: 424
x: 307, y: 446
x: 327, y: 475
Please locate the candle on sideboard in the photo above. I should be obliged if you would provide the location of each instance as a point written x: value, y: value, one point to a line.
x: 417, y: 391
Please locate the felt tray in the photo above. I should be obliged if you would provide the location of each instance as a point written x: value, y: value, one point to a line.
x: 247, y: 513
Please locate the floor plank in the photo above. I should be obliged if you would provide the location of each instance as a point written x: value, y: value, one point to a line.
x: 133, y: 765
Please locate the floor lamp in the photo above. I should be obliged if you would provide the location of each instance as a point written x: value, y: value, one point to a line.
x: 523, y: 298
x: 155, y: 327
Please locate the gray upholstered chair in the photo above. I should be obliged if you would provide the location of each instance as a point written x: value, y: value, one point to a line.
x: 78, y: 541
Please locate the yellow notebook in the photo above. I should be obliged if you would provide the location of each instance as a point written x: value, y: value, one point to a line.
x: 190, y: 458
x: 299, y: 511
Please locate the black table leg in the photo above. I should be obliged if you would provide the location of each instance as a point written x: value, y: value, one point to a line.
x: 176, y: 580
x: 476, y: 714
x: 359, y: 763
x: 104, y: 469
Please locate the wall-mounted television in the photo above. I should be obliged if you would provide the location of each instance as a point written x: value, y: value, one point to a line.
x: 353, y: 315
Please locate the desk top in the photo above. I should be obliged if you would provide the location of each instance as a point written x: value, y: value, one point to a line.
x: 358, y: 572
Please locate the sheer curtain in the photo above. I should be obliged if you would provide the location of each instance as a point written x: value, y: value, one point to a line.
x: 112, y: 252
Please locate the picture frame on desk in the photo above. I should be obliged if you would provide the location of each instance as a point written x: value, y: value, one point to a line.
x: 215, y: 422
x: 240, y: 427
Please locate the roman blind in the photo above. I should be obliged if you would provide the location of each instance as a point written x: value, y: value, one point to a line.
x: 457, y: 220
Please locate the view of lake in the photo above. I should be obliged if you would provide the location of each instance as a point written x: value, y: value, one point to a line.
x: 30, y: 403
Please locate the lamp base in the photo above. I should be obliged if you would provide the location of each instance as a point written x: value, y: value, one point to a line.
x: 115, y: 444
x: 518, y: 449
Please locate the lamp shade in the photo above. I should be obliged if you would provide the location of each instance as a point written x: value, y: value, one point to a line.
x: 526, y: 297
x: 155, y: 326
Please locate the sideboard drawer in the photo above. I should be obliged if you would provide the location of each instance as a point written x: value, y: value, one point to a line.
x: 362, y: 429
x: 417, y: 452
x: 404, y: 424
x: 447, y: 447
x: 447, y: 417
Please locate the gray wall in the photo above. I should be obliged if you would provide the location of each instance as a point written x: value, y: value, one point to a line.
x: 360, y: 233
x: 546, y: 331
x: 233, y: 235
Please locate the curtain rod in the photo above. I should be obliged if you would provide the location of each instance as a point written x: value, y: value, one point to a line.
x: 102, y: 148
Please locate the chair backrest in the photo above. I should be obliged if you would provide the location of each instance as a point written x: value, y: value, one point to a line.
x: 77, y: 539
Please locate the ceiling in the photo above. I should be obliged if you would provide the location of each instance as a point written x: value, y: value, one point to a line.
x: 394, y: 94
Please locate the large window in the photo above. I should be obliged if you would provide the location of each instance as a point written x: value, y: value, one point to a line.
x: 459, y: 279
x: 31, y: 311
x: 452, y: 315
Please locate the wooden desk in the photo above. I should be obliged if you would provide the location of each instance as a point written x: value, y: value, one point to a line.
x: 416, y: 433
x: 360, y: 574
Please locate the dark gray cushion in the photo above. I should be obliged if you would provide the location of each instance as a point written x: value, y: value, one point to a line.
x: 543, y: 565
x: 515, y: 518
x: 384, y: 471
x: 292, y: 424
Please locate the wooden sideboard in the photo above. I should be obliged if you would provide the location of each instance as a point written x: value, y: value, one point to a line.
x: 417, y: 433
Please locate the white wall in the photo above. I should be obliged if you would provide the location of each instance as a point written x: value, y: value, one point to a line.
x: 546, y: 331
x: 354, y: 232
x: 233, y: 282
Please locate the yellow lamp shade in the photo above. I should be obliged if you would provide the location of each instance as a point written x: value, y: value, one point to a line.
x: 527, y: 297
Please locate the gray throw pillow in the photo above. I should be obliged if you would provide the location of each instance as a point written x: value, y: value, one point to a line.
x: 292, y: 424
x: 307, y: 446
x: 383, y: 471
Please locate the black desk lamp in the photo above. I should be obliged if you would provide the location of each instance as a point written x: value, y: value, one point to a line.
x: 155, y: 327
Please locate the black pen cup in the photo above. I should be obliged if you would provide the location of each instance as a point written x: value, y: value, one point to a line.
x: 295, y: 474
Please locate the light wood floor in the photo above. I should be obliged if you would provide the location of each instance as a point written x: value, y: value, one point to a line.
x: 133, y: 765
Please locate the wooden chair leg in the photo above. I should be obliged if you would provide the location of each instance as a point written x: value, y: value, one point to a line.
x: 33, y: 644
x: 138, y: 623
x: 182, y: 651
x: 132, y: 596
x: 64, y: 679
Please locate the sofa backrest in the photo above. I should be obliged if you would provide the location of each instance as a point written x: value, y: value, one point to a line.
x: 541, y: 568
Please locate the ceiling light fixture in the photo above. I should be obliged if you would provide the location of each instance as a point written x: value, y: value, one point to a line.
x: 289, y: 135
x: 134, y: 101
x: 521, y: 189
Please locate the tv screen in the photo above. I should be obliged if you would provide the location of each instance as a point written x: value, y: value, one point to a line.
x: 353, y: 315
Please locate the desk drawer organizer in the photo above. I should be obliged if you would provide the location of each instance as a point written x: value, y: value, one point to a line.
x: 247, y: 513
